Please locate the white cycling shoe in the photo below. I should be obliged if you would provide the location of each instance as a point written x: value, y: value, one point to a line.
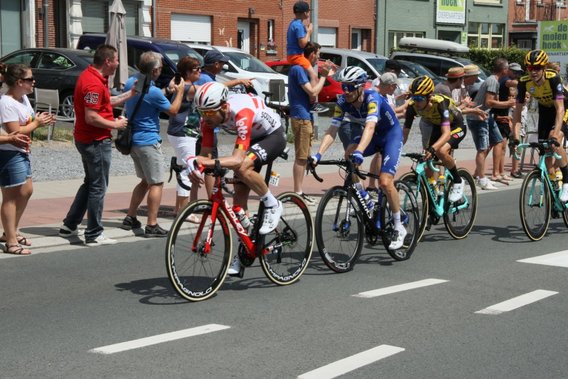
x: 456, y: 192
x: 271, y: 218
x: 398, y: 239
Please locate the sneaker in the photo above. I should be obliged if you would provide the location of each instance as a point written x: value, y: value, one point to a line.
x: 130, y: 223
x: 398, y: 238
x: 457, y: 192
x: 308, y: 199
x: 155, y: 231
x: 318, y: 108
x: 564, y: 194
x: 517, y: 174
x: 235, y: 267
x: 100, y: 240
x: 271, y: 218
x: 486, y: 184
x: 67, y: 232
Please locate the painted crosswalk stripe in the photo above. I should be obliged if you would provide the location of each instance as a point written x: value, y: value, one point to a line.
x: 351, y: 363
x: 400, y: 288
x: 517, y: 302
x: 559, y: 259
x: 160, y: 338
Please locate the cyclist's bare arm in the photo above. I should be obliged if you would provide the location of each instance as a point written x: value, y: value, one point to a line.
x: 328, y: 139
x: 367, y: 136
x: 559, y: 105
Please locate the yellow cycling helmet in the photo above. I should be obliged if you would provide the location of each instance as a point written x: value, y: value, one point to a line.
x: 422, y: 86
x: 536, y: 58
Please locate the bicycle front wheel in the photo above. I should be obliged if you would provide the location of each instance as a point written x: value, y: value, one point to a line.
x: 197, y: 269
x: 534, y: 206
x: 459, y: 217
x: 422, y: 201
x: 339, y: 230
x: 408, y: 216
x: 290, y: 245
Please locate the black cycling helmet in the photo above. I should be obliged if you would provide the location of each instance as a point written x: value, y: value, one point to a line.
x: 422, y: 86
x: 536, y: 58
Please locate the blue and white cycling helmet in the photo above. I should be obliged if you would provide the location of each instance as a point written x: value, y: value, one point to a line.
x: 352, y: 75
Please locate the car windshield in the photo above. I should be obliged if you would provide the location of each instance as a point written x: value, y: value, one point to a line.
x: 175, y: 54
x: 247, y: 62
x: 377, y: 63
x: 414, y: 70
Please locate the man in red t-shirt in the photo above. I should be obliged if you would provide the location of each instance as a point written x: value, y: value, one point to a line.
x: 94, y: 121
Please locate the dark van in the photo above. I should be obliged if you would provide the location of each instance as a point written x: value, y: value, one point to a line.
x: 172, y: 52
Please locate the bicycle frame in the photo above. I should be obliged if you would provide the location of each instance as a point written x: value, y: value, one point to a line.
x: 437, y: 203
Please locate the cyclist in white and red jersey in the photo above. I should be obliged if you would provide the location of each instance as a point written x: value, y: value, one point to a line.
x: 260, y: 140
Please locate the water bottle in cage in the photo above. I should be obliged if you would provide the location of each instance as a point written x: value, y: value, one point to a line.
x: 242, y: 216
x: 367, y: 200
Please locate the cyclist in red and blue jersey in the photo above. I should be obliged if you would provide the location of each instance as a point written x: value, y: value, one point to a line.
x: 367, y: 124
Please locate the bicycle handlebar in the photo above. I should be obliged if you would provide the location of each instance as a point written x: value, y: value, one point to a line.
x: 541, y: 145
x: 345, y: 164
x: 419, y: 157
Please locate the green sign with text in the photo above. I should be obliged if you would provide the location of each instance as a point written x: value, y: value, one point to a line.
x: 553, y: 36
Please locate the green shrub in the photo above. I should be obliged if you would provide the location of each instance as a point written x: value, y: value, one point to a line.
x: 485, y: 57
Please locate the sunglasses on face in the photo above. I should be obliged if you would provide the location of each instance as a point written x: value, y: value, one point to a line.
x: 195, y: 69
x: 349, y: 87
x: 535, y: 68
x: 419, y: 98
x: 31, y: 79
x: 208, y: 112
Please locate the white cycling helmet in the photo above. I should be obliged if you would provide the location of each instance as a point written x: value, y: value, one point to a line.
x: 211, y: 95
x: 352, y: 74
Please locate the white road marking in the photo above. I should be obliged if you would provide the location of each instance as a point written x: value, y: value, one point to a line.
x: 160, y: 338
x: 400, y: 288
x: 517, y: 302
x: 559, y: 259
x: 351, y: 363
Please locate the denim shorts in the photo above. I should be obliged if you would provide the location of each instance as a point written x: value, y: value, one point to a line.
x: 15, y: 168
x: 149, y: 163
x: 484, y: 133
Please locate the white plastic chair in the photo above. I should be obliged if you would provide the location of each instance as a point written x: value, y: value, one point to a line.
x: 47, y: 100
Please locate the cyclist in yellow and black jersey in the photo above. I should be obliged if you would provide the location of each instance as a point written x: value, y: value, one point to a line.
x: 546, y: 87
x: 448, y: 126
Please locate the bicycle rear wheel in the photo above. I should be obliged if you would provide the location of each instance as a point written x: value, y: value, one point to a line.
x: 459, y: 217
x: 195, y: 273
x: 339, y: 230
x: 534, y: 205
x: 422, y: 201
x: 291, y: 243
x: 408, y: 216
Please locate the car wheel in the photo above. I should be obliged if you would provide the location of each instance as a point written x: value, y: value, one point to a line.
x: 66, y: 105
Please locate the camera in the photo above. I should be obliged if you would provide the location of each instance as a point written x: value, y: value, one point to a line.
x: 177, y: 78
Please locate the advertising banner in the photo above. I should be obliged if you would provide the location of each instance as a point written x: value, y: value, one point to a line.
x: 450, y: 12
x: 553, y: 38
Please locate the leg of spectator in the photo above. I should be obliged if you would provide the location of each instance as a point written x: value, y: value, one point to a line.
x: 153, y: 201
x: 137, y: 196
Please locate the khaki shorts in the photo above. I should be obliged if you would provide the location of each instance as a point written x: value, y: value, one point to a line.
x: 303, y: 133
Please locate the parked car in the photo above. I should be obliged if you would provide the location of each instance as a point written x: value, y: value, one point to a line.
x: 373, y: 64
x: 331, y: 88
x: 172, y: 52
x: 242, y: 65
x: 413, y: 70
x: 54, y: 68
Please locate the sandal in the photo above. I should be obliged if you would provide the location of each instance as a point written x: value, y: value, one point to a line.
x: 16, y: 249
x: 21, y: 239
x: 517, y: 174
x: 507, y: 177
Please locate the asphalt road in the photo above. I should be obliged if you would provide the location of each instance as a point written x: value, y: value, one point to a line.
x: 63, y: 313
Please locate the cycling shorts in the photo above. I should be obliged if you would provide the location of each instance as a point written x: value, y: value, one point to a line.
x: 267, y: 148
x: 458, y: 133
x: 546, y: 121
x: 390, y: 147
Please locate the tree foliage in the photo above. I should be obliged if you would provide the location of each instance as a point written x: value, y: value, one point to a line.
x: 485, y: 57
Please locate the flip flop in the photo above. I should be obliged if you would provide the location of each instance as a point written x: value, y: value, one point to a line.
x: 500, y: 179
x: 507, y: 178
x: 16, y: 249
x: 21, y: 239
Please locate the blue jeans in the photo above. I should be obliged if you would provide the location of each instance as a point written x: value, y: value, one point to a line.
x: 96, y: 157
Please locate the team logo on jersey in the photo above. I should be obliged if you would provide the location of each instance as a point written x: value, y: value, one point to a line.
x: 559, y: 87
x: 91, y: 98
x: 532, y: 90
x: 242, y: 128
x: 372, y: 108
x: 337, y: 112
x: 446, y: 114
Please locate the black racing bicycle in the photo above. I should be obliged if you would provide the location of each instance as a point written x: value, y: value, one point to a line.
x: 343, y: 219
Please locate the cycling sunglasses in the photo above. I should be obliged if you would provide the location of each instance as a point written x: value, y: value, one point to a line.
x: 208, y: 112
x: 418, y: 98
x: 535, y: 68
x: 350, y: 87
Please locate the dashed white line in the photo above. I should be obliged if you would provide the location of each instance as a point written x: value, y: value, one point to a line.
x: 160, y: 338
x: 351, y: 363
x: 555, y: 259
x: 400, y: 288
x: 517, y: 302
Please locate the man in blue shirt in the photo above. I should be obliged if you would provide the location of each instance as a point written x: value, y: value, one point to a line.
x: 146, y: 149
x: 299, y: 92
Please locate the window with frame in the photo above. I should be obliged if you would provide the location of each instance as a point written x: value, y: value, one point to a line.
x: 395, y: 36
x: 483, y: 34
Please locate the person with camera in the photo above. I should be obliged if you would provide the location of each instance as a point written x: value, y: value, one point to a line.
x: 146, y: 151
x: 94, y: 121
